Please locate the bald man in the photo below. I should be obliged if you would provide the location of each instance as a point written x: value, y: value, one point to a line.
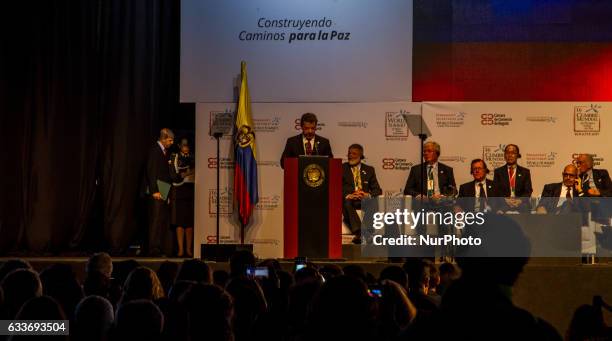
x: 556, y: 195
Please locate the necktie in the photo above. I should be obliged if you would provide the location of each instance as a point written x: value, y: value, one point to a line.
x: 568, y: 193
x: 430, y: 179
x: 482, y: 197
x: 356, y: 178
x: 511, y: 176
x: 308, y: 147
x: 585, y: 182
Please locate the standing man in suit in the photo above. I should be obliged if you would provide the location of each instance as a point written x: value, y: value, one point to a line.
x: 595, y: 182
x: 557, y: 196
x: 439, y: 180
x: 512, y: 182
x: 306, y: 143
x: 358, y: 182
x: 473, y: 195
x: 158, y: 168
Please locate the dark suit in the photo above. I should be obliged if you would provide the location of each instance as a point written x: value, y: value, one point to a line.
x: 522, y: 187
x: 602, y: 182
x: 550, y: 197
x: 294, y: 147
x: 415, y: 182
x: 467, y: 194
x: 158, y: 168
x: 369, y: 184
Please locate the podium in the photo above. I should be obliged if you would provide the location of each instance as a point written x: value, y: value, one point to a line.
x: 313, y: 207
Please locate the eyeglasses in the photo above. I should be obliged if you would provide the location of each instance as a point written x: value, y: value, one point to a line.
x: 477, y: 169
x: 569, y: 175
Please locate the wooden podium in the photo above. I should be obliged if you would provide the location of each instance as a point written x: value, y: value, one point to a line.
x: 313, y: 207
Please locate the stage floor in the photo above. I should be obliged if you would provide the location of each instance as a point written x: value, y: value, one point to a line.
x: 549, y: 288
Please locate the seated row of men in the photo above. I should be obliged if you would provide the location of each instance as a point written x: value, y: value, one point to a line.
x: 434, y: 180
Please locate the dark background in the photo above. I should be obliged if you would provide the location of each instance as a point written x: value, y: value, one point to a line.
x: 85, y: 87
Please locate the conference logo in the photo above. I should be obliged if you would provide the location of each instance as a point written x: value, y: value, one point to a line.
x: 542, y: 119
x: 394, y: 194
x: 587, y: 120
x: 226, y: 163
x: 494, y: 155
x: 396, y: 128
x: 495, y: 119
x: 353, y: 124
x: 597, y: 160
x: 541, y: 160
x: 450, y: 120
x: 268, y: 203
x: 396, y: 164
x: 221, y: 121
x: 265, y: 241
x: 298, y: 126
x: 225, y: 201
x: 461, y: 159
x: 267, y: 125
x: 222, y: 240
x: 268, y: 163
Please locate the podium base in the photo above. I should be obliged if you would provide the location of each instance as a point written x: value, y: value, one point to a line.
x: 222, y: 252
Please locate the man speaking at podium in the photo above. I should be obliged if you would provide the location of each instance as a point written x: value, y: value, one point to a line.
x: 306, y: 143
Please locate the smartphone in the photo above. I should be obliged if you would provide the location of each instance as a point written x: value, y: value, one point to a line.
x: 300, y: 263
x: 375, y: 291
x: 257, y: 272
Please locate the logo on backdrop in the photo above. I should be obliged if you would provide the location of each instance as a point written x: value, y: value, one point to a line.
x: 268, y: 163
x: 222, y: 240
x: 396, y: 164
x: 489, y: 119
x: 268, y: 203
x: 542, y: 119
x: 587, y: 120
x: 541, y: 160
x: 394, y: 194
x: 597, y: 160
x: 298, y: 127
x: 222, y: 121
x: 453, y: 159
x: 353, y: 124
x: 396, y: 128
x: 267, y: 125
x: 226, y: 163
x: 451, y: 120
x: 494, y: 155
x: 225, y: 203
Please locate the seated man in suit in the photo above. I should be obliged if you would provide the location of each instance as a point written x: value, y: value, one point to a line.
x: 595, y: 182
x: 557, y: 197
x: 306, y: 143
x: 358, y: 182
x: 473, y: 195
x: 437, y: 180
x: 512, y: 182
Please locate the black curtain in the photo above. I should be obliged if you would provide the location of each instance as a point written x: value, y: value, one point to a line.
x: 84, y: 89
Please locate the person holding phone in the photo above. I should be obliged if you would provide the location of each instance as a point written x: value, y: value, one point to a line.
x: 558, y: 197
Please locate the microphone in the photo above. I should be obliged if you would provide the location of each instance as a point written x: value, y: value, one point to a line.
x: 317, y: 148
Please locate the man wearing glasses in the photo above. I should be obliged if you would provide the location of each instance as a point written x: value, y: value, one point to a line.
x: 593, y: 182
x: 512, y: 182
x: 558, y: 197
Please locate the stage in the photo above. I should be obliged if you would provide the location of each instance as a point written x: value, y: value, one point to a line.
x: 549, y: 288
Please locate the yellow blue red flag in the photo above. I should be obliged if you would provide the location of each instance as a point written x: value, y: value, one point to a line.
x: 245, y: 157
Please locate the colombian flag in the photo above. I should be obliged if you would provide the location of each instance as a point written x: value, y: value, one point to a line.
x: 245, y: 171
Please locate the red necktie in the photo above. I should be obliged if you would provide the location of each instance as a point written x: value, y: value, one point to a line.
x: 308, y: 147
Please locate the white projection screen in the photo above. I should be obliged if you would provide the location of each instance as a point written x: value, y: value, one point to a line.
x: 297, y: 50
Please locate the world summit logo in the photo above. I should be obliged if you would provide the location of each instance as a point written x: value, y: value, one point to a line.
x: 494, y: 155
x: 396, y: 128
x: 225, y: 202
x: 222, y: 121
x: 587, y: 120
x: 313, y: 175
